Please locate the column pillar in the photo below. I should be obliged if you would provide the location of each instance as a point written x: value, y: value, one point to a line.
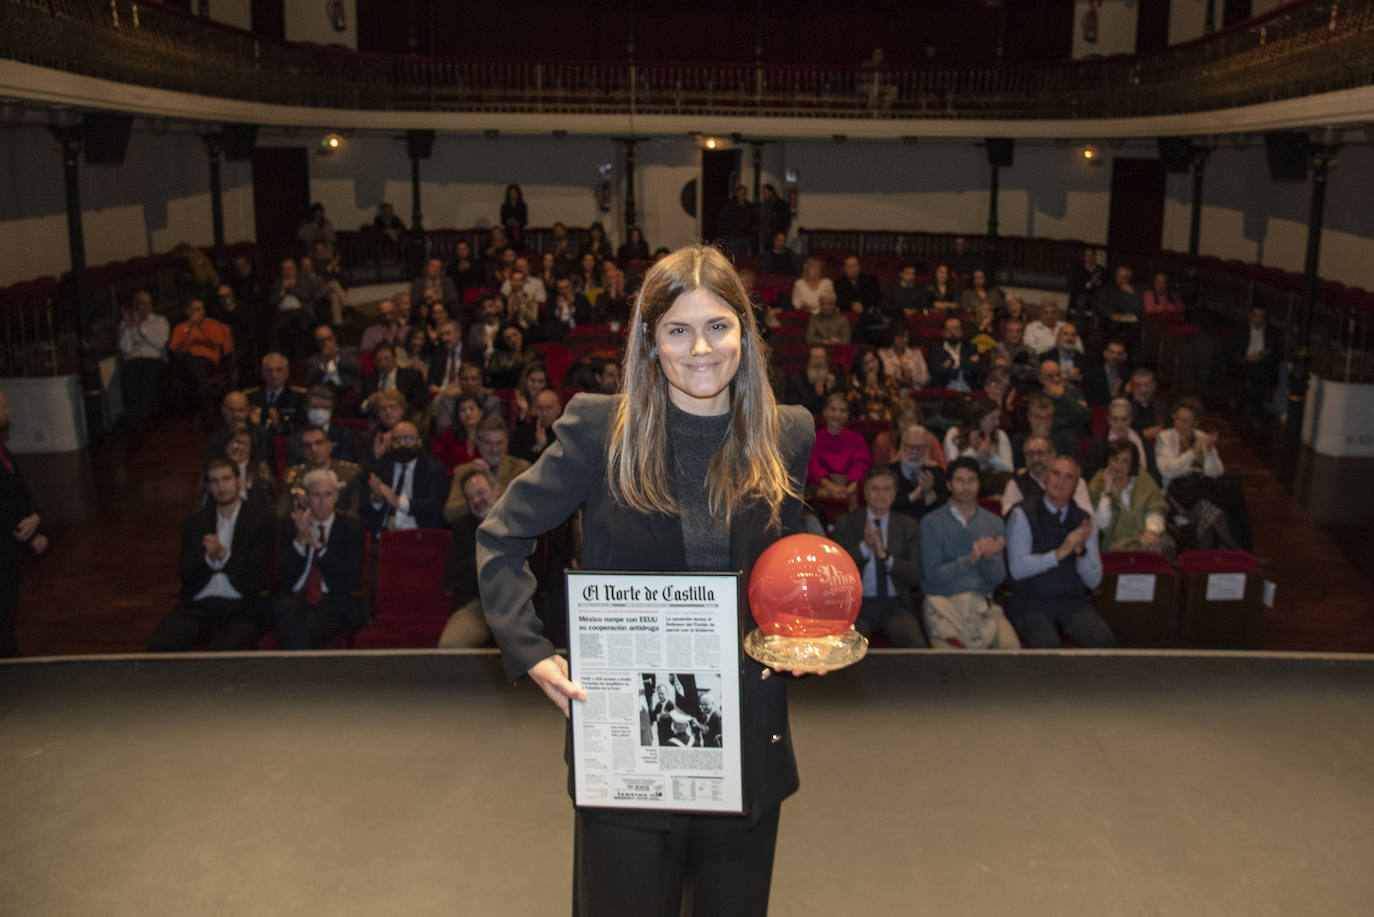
x: 631, y: 218
x: 69, y: 139
x: 1194, y: 291
x: 214, y: 149
x: 1321, y: 158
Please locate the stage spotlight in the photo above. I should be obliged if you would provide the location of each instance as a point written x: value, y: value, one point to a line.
x: 1091, y: 154
x: 711, y: 143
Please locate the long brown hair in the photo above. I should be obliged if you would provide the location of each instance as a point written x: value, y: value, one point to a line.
x: 748, y: 466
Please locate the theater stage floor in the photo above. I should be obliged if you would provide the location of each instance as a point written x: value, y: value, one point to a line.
x: 932, y: 783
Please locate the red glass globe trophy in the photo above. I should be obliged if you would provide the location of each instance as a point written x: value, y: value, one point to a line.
x: 804, y: 593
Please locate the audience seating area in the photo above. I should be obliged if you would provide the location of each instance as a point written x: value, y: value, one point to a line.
x: 1183, y: 604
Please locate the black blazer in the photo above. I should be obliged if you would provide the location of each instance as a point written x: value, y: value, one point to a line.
x: 906, y: 485
x: 903, y: 545
x: 863, y: 289
x: 290, y: 405
x: 572, y: 474
x: 409, y: 382
x: 16, y: 503
x: 438, y: 362
x: 350, y: 369
x: 1097, y: 389
x: 248, y: 552
x: 942, y: 371
x: 428, y: 491
x: 1079, y: 361
x: 341, y: 565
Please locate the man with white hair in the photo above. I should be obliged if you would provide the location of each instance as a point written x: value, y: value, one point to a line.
x: 319, y: 563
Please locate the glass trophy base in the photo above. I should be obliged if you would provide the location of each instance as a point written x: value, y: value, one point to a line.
x: 806, y: 654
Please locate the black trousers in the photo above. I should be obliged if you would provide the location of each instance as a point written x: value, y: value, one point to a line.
x: 301, y: 626
x: 199, y: 395
x: 141, y: 380
x: 701, y: 866
x: 226, y: 623
x: 9, y: 598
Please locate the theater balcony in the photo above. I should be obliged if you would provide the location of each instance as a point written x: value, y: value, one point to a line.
x: 1304, y: 64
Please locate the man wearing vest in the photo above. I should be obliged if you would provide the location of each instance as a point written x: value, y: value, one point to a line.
x: 1053, y: 557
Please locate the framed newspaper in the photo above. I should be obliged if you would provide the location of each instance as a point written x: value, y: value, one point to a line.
x: 659, y: 657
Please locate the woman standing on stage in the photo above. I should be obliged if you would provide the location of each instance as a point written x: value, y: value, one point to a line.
x: 692, y: 467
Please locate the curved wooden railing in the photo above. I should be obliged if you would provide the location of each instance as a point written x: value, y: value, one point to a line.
x: 1298, y: 50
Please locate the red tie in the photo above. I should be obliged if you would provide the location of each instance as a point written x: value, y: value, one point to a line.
x: 313, y: 590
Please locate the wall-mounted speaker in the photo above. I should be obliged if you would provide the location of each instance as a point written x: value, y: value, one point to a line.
x: 1287, y: 152
x: 239, y: 141
x: 1000, y: 152
x: 1176, y: 153
x: 419, y: 144
x: 105, y: 137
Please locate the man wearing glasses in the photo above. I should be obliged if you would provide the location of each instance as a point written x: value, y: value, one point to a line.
x: 408, y: 488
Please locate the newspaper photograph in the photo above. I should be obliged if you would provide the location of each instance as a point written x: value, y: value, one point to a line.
x: 658, y: 655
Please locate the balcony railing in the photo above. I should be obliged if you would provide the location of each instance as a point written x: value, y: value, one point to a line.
x: 1299, y: 50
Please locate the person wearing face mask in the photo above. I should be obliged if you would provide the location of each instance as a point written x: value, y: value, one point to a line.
x: 493, y: 454
x: 407, y: 488
x: 319, y: 412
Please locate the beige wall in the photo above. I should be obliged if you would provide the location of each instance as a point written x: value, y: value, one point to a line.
x: 160, y: 196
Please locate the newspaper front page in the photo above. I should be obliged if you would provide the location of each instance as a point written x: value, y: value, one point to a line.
x: 658, y: 655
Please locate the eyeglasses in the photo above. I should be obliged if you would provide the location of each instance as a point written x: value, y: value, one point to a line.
x: 402, y: 439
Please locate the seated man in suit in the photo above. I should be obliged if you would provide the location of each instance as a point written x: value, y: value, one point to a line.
x: 276, y: 406
x: 391, y: 328
x: 813, y: 385
x: 1040, y: 422
x: 319, y: 562
x: 319, y: 412
x: 471, y: 384
x: 886, y: 546
x: 535, y: 434
x: 1103, y: 383
x: 388, y: 375
x: 1029, y: 482
x: 1118, y: 427
x: 449, y: 357
x: 317, y: 452
x: 434, y: 282
x: 1071, y: 411
x: 566, y: 310
x: 921, y: 486
x: 1068, y: 350
x: 493, y: 445
x: 1149, y: 415
x: 961, y: 567
x: 855, y: 290
x: 467, y: 626
x: 955, y: 363
x: 407, y: 488
x: 222, y: 565
x: 235, y: 410
x: 332, y: 365
x: 1255, y: 348
x: 1053, y: 557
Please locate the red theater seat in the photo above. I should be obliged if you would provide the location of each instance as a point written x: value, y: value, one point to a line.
x: 411, y: 606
